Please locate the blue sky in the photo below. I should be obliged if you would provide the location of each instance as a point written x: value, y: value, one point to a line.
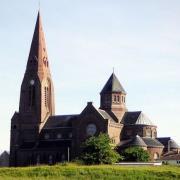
x: 85, y: 40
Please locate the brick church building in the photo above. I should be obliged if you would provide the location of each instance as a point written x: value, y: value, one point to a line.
x: 38, y: 136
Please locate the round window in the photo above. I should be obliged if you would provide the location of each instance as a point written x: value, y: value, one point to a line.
x: 59, y: 136
x: 91, y: 129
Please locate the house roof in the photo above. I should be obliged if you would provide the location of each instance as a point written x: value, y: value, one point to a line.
x: 59, y: 121
x: 90, y: 108
x: 136, y: 118
x: 150, y: 142
x: 113, y: 85
x: 171, y: 157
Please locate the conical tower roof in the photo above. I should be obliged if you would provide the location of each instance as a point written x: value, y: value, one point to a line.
x: 138, y: 141
x: 113, y: 85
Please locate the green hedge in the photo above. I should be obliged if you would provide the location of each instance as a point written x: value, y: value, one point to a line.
x: 71, y: 171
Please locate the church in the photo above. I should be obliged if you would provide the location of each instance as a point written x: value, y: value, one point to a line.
x: 38, y: 136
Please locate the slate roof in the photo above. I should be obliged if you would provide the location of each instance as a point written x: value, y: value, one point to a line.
x: 136, y: 118
x: 106, y: 115
x: 113, y: 85
x: 59, y: 121
x: 165, y: 140
x: 150, y: 142
x: 136, y: 141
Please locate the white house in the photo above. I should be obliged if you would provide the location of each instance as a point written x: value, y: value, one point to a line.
x: 172, y: 159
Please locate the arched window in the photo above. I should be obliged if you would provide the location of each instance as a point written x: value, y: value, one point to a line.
x: 155, y: 134
x: 148, y: 133
x: 118, y: 98
x: 156, y: 156
x: 31, y: 95
x: 114, y: 98
x: 45, y: 60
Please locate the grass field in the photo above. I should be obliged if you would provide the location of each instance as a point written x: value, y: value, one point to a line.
x: 72, y: 171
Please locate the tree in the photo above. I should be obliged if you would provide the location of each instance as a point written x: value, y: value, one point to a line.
x: 97, y: 150
x: 136, y: 154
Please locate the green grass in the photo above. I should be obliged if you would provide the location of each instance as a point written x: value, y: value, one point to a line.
x: 80, y: 172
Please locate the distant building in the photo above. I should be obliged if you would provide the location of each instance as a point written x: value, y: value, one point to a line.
x: 39, y: 136
x: 4, y: 159
x: 169, y: 145
x: 171, y: 159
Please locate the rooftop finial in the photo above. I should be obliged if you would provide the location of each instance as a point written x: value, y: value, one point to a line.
x: 39, y: 5
x: 113, y: 70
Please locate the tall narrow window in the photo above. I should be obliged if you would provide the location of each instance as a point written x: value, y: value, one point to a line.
x: 148, y: 133
x: 118, y: 98
x: 46, y: 96
x: 31, y: 95
x: 122, y: 100
x: 114, y: 98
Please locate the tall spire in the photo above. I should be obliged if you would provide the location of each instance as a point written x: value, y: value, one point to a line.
x: 37, y: 82
x: 38, y: 57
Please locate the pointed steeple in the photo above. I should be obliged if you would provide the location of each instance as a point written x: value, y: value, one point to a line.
x: 113, y: 86
x: 37, y: 92
x: 38, y: 57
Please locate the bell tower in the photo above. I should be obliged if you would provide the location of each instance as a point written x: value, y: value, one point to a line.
x: 113, y: 97
x: 37, y: 93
